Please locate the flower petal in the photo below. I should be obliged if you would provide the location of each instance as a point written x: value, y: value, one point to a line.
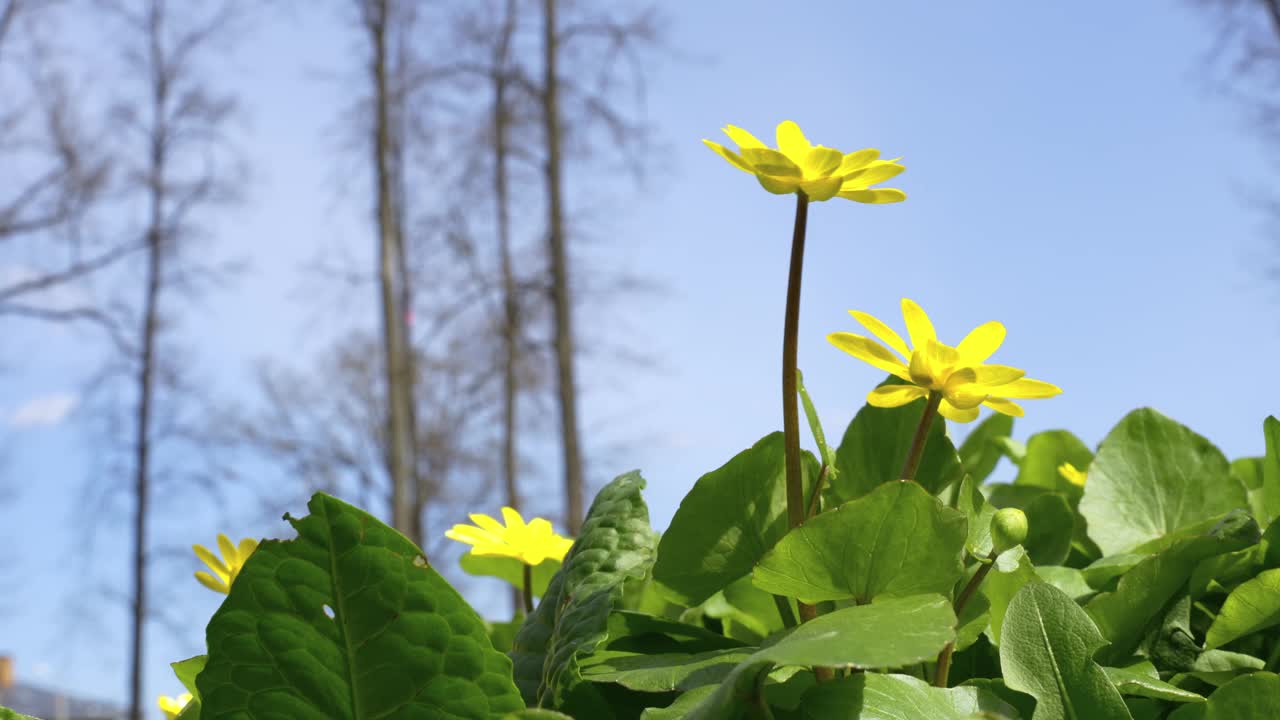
x: 777, y: 185
x: 981, y: 342
x: 857, y: 160
x: 955, y: 414
x: 792, y: 142
x: 868, y: 176
x: 886, y: 334
x: 881, y: 196
x: 1004, y: 407
x: 1028, y: 389
x: 513, y: 519
x: 473, y: 535
x: 821, y: 162
x: 246, y: 548
x: 771, y: 162
x: 870, y: 352
x: 997, y: 374
x: 487, y: 523
x: 733, y: 157
x: 228, y: 550
x: 820, y: 190
x: 919, y: 327
x: 213, y: 561
x: 742, y: 137
x: 890, y: 396
x: 211, y: 582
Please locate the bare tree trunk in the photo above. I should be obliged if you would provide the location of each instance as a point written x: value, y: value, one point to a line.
x: 510, y: 301
x: 146, y: 375
x: 561, y: 298
x: 400, y: 440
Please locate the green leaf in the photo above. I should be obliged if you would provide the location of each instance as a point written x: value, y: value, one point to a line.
x: 851, y: 637
x: 898, y: 540
x: 873, y: 696
x: 187, y: 670
x: 1051, y: 524
x: 536, y: 714
x: 1045, y: 453
x: 1046, y: 652
x: 7, y: 714
x: 616, y: 543
x: 665, y: 672
x: 1151, y: 477
x: 511, y: 570
x: 978, y: 513
x: 1250, y: 473
x: 1253, y: 606
x: 1103, y: 570
x: 979, y: 453
x: 1124, y: 616
x: 1251, y: 697
x: 683, y: 705
x: 825, y: 451
x: 875, y: 447
x: 744, y: 604
x: 1068, y: 580
x: 1271, y: 469
x: 635, y: 632
x: 1136, y: 684
x: 726, y: 523
x: 345, y: 622
x: 1013, y: 570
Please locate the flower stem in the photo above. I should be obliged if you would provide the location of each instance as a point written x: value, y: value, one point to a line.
x: 918, y: 442
x: 815, y: 497
x: 528, y: 589
x: 790, y: 409
x: 944, y: 657
x: 790, y: 406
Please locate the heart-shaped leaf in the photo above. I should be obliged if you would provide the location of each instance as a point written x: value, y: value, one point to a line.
x: 1151, y: 477
x: 1253, y: 606
x: 898, y: 540
x: 873, y: 696
x: 875, y: 447
x: 348, y: 622
x: 727, y: 522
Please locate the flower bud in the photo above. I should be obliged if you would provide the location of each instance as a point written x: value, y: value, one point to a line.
x: 1008, y: 528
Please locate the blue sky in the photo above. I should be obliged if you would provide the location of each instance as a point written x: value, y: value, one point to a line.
x: 1070, y: 173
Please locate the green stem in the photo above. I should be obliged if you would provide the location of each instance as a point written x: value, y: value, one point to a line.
x: 790, y: 407
x: 815, y: 498
x: 784, y: 611
x: 528, y: 589
x: 760, y: 709
x: 944, y: 657
x: 918, y: 442
x: 790, y: 330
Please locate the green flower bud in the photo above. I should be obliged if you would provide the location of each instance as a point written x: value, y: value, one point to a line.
x: 1008, y: 528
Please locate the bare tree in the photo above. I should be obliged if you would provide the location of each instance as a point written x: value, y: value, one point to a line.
x: 54, y: 175
x: 385, y: 23
x: 174, y: 153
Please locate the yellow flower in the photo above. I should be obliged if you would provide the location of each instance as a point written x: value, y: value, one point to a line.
x: 1073, y: 475
x: 224, y: 572
x: 173, y: 706
x: 959, y: 373
x: 530, y: 544
x: 821, y: 173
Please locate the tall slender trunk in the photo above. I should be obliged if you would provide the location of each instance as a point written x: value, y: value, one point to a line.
x: 561, y: 297
x: 400, y: 441
x: 146, y: 361
x: 510, y: 301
